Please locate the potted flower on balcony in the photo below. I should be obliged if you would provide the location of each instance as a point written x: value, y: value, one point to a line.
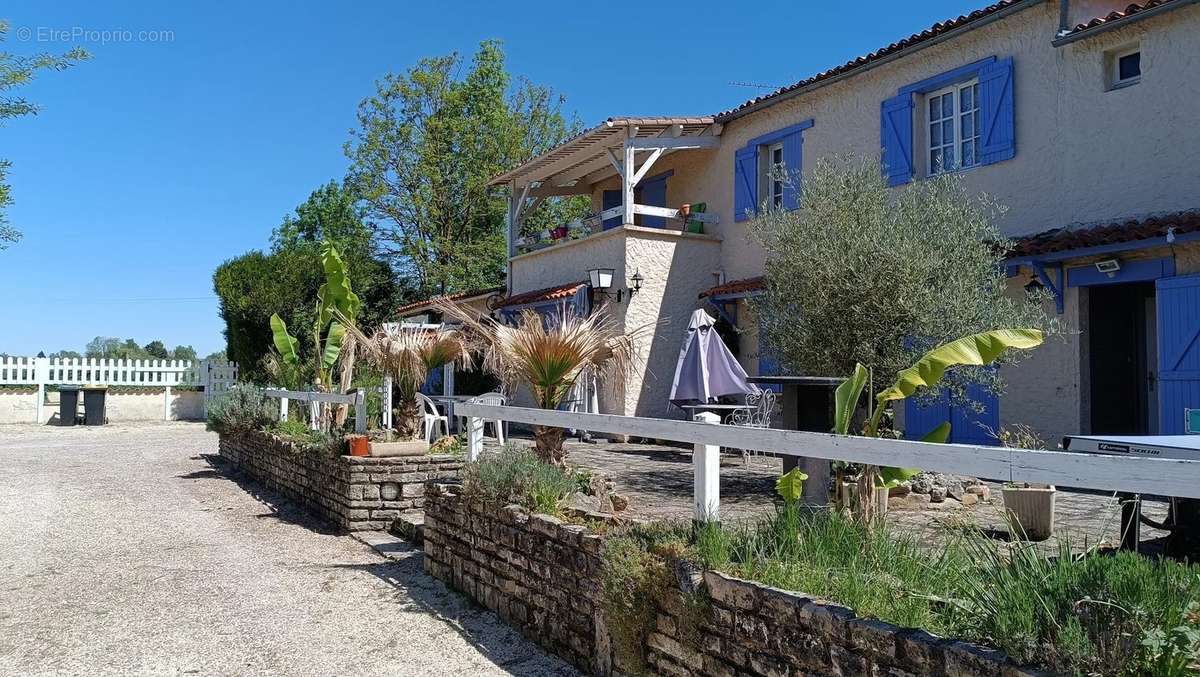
x: 559, y: 233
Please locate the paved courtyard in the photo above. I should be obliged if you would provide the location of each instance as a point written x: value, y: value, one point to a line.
x: 126, y: 552
x: 657, y: 479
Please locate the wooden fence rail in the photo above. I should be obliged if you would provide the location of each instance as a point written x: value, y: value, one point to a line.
x: 358, y: 398
x: 1140, y: 475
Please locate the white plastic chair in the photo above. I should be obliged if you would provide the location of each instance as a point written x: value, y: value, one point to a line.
x: 431, y: 417
x: 497, y: 425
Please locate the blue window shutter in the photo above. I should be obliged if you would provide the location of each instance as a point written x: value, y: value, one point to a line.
x: 793, y: 145
x: 610, y: 199
x: 998, y: 137
x: 1178, y: 300
x: 654, y: 194
x: 896, y: 138
x: 745, y: 183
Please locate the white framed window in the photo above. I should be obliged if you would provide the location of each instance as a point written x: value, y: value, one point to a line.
x: 771, y: 174
x: 952, y: 131
x: 1124, y: 67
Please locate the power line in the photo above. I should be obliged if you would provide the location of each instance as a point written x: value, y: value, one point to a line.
x: 83, y: 301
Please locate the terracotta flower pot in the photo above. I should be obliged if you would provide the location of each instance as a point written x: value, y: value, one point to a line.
x: 359, y: 445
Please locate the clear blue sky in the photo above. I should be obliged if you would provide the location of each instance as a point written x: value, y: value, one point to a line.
x: 159, y: 159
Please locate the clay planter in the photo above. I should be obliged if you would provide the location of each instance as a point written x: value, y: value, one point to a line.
x: 1032, y: 509
x: 359, y: 445
x: 407, y: 448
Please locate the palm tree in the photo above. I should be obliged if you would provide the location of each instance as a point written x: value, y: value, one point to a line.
x: 408, y: 354
x: 549, y: 356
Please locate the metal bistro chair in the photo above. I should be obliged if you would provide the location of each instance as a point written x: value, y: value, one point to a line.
x: 761, y: 407
x: 431, y: 418
x: 497, y: 424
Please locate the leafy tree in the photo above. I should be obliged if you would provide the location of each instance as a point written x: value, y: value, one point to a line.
x: 427, y: 145
x: 156, y: 349
x: 183, y: 353
x: 102, y: 347
x: 16, y: 71
x: 285, y: 280
x: 218, y: 355
x: 865, y: 273
x: 72, y: 354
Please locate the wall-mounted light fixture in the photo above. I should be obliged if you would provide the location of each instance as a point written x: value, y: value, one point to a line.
x: 636, y: 281
x: 1109, y: 267
x: 601, y: 280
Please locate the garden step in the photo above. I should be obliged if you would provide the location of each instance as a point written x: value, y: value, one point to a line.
x: 409, y: 526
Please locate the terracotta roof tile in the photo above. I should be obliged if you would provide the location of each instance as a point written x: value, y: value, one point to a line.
x: 562, y: 291
x: 940, y: 28
x: 736, y: 287
x: 1066, y: 239
x: 1129, y: 10
x: 470, y: 293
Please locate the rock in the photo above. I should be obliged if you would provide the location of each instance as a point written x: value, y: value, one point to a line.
x: 913, y: 501
x: 586, y: 503
x: 902, y: 489
x: 921, y: 485
x: 983, y: 491
x: 955, y: 489
x: 937, y: 494
x: 969, y: 500
x: 619, y: 502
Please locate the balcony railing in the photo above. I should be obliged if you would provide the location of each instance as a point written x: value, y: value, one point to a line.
x: 694, y: 218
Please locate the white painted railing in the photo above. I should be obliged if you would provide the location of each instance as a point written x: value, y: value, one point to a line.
x: 357, y: 398
x: 214, y: 376
x: 1139, y: 475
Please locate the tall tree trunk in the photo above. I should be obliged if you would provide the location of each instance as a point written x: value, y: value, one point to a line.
x: 549, y: 444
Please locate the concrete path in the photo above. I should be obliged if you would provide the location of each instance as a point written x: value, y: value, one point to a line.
x: 124, y: 551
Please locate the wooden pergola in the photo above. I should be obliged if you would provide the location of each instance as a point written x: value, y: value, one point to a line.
x: 625, y: 147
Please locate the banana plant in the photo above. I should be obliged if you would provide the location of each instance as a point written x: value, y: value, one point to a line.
x: 335, y: 299
x: 976, y: 349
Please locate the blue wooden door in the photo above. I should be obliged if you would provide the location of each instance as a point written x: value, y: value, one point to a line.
x: 1178, y: 350
x: 967, y: 426
x: 608, y: 200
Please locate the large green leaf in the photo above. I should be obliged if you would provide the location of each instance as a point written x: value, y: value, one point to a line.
x: 284, y: 342
x: 977, y: 349
x: 336, y: 292
x: 333, y: 345
x: 846, y: 398
x: 790, y: 485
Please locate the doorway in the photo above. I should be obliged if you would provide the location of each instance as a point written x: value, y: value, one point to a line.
x: 1123, y: 359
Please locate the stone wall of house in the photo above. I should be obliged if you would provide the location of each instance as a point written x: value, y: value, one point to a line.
x: 542, y: 576
x: 351, y: 492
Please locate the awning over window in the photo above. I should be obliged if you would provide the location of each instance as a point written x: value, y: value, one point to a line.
x: 551, y: 302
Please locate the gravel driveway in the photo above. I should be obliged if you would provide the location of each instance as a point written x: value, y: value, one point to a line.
x: 126, y: 552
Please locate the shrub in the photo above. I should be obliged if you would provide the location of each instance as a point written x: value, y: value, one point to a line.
x: 242, y: 409
x: 518, y: 475
x: 313, y: 441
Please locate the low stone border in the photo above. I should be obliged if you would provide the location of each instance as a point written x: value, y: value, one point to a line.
x: 543, y: 575
x: 354, y: 493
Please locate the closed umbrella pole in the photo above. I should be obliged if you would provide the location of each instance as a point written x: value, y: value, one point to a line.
x: 706, y: 368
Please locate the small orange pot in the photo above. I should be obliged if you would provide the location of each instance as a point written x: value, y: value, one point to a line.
x: 359, y: 445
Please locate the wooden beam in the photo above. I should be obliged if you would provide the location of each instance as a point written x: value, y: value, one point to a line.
x: 681, y: 143
x: 627, y: 185
x: 667, y: 212
x: 616, y: 163
x: 580, y: 188
x: 641, y: 172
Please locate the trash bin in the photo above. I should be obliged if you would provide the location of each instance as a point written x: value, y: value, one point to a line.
x: 93, y: 404
x: 68, y: 404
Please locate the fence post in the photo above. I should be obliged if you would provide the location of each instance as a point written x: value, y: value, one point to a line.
x: 167, y: 403
x: 706, y: 478
x: 41, y: 373
x: 283, y: 408
x: 360, y: 412
x: 475, y: 437
x: 387, y: 403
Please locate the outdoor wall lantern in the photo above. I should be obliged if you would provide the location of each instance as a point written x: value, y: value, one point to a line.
x: 1109, y: 267
x: 636, y: 281
x: 602, y: 281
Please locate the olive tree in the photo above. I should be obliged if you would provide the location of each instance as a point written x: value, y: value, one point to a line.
x: 865, y: 273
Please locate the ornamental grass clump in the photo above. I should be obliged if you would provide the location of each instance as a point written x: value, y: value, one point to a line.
x: 518, y: 475
x: 549, y: 355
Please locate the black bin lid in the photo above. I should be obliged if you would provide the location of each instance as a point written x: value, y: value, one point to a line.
x: 69, y: 388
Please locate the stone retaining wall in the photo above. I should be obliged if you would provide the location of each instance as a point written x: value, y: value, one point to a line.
x: 352, y: 492
x: 542, y: 576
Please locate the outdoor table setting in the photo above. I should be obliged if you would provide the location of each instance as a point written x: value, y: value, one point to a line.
x: 447, y: 402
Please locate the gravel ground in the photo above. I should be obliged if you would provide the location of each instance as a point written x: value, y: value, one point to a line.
x: 127, y: 552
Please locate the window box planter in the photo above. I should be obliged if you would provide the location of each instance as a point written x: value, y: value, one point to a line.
x: 1031, y: 509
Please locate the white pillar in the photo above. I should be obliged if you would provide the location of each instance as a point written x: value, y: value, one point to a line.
x: 627, y: 185
x: 360, y: 412
x: 41, y: 374
x: 474, y: 437
x: 387, y: 402
x: 706, y: 478
x: 283, y: 408
x: 167, y: 403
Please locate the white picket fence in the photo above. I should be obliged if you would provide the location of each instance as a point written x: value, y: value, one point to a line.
x: 213, y: 376
x: 357, y: 398
x: 1138, y: 475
